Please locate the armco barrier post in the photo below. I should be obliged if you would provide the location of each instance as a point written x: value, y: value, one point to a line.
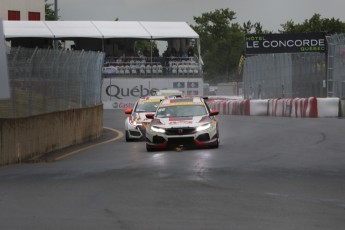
x: 342, y: 107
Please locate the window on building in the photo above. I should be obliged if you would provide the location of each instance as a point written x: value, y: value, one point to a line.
x: 34, y: 16
x: 13, y: 15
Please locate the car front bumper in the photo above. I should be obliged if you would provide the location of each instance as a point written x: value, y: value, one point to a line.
x: 135, y: 132
x: 206, y: 138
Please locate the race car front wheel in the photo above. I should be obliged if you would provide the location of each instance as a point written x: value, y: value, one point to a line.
x: 127, y: 137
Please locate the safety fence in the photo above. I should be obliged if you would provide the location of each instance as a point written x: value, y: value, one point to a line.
x: 285, y: 75
x: 55, y: 102
x: 46, y: 80
x: 312, y: 107
x: 336, y: 66
x: 288, y: 75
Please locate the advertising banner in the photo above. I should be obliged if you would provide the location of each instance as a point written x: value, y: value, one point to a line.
x: 285, y: 43
x: 122, y: 93
x: 4, y: 83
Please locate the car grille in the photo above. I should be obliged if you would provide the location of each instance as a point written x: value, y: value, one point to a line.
x: 179, y: 131
x: 134, y: 133
x: 184, y: 141
x: 158, y: 140
x: 203, y: 137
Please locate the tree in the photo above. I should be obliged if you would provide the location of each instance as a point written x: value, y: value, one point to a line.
x: 50, y: 13
x: 314, y: 24
x: 256, y: 28
x: 222, y: 43
x: 145, y: 47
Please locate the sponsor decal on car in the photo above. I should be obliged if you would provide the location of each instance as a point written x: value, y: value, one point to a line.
x: 123, y: 105
x: 183, y: 103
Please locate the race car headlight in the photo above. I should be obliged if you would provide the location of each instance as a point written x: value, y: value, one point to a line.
x: 203, y: 127
x: 158, y: 130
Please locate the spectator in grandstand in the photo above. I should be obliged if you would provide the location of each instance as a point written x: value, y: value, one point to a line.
x: 146, y: 53
x: 167, y: 53
x: 190, y: 51
x: 183, y: 54
x: 155, y: 52
x: 174, y: 52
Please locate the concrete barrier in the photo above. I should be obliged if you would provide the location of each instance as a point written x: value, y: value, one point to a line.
x: 231, y: 107
x: 328, y: 107
x: 280, y: 107
x: 30, y: 137
x: 258, y: 107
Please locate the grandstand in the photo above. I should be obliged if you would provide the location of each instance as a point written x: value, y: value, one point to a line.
x: 117, y: 39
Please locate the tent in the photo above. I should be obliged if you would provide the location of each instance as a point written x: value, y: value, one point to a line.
x: 98, y: 29
x: 94, y: 35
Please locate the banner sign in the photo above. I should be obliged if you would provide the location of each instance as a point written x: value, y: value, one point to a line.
x: 285, y: 43
x: 4, y: 81
x: 122, y: 93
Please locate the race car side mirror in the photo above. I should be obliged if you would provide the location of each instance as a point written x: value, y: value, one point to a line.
x: 150, y: 115
x: 128, y: 111
x: 214, y: 113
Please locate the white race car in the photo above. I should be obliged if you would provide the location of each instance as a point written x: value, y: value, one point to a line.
x: 182, y: 122
x: 135, y: 123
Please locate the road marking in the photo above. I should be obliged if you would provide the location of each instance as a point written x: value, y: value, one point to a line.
x: 120, y: 135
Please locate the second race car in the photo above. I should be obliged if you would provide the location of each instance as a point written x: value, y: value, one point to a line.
x: 135, y: 123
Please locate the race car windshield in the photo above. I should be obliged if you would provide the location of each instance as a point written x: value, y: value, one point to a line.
x: 146, y: 107
x: 181, y: 111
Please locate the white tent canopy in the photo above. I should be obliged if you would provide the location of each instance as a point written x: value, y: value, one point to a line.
x: 159, y: 30
x: 25, y: 29
x: 72, y: 29
x: 98, y: 29
x: 121, y: 29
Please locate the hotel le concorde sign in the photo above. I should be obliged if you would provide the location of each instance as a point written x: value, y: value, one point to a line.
x: 285, y: 43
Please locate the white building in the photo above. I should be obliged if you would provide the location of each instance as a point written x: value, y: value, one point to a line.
x: 22, y: 10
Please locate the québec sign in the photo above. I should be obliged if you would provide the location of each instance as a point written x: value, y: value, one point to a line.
x: 285, y: 43
x: 122, y: 93
x: 136, y: 91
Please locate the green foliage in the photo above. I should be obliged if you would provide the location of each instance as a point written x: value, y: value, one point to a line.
x: 49, y: 12
x: 222, y: 43
x: 144, y: 46
x: 256, y: 28
x: 314, y: 24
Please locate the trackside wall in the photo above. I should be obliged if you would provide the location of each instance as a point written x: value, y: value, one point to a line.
x: 30, y: 137
x: 311, y: 107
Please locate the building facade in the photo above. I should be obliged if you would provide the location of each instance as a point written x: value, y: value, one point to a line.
x: 25, y: 10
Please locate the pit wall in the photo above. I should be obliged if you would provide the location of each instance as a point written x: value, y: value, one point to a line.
x: 31, y: 137
x: 287, y: 107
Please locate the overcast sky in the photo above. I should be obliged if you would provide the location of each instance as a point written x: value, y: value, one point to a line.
x: 270, y: 13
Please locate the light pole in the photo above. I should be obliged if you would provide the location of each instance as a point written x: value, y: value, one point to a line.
x: 55, y: 44
x: 56, y: 10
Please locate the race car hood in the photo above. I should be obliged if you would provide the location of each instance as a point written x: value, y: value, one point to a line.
x: 140, y: 117
x: 172, y: 122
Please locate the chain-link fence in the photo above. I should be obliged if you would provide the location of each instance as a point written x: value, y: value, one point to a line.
x: 285, y: 75
x: 46, y: 80
x: 336, y: 66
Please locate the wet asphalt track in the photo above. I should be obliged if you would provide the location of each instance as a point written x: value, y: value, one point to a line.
x: 269, y: 174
